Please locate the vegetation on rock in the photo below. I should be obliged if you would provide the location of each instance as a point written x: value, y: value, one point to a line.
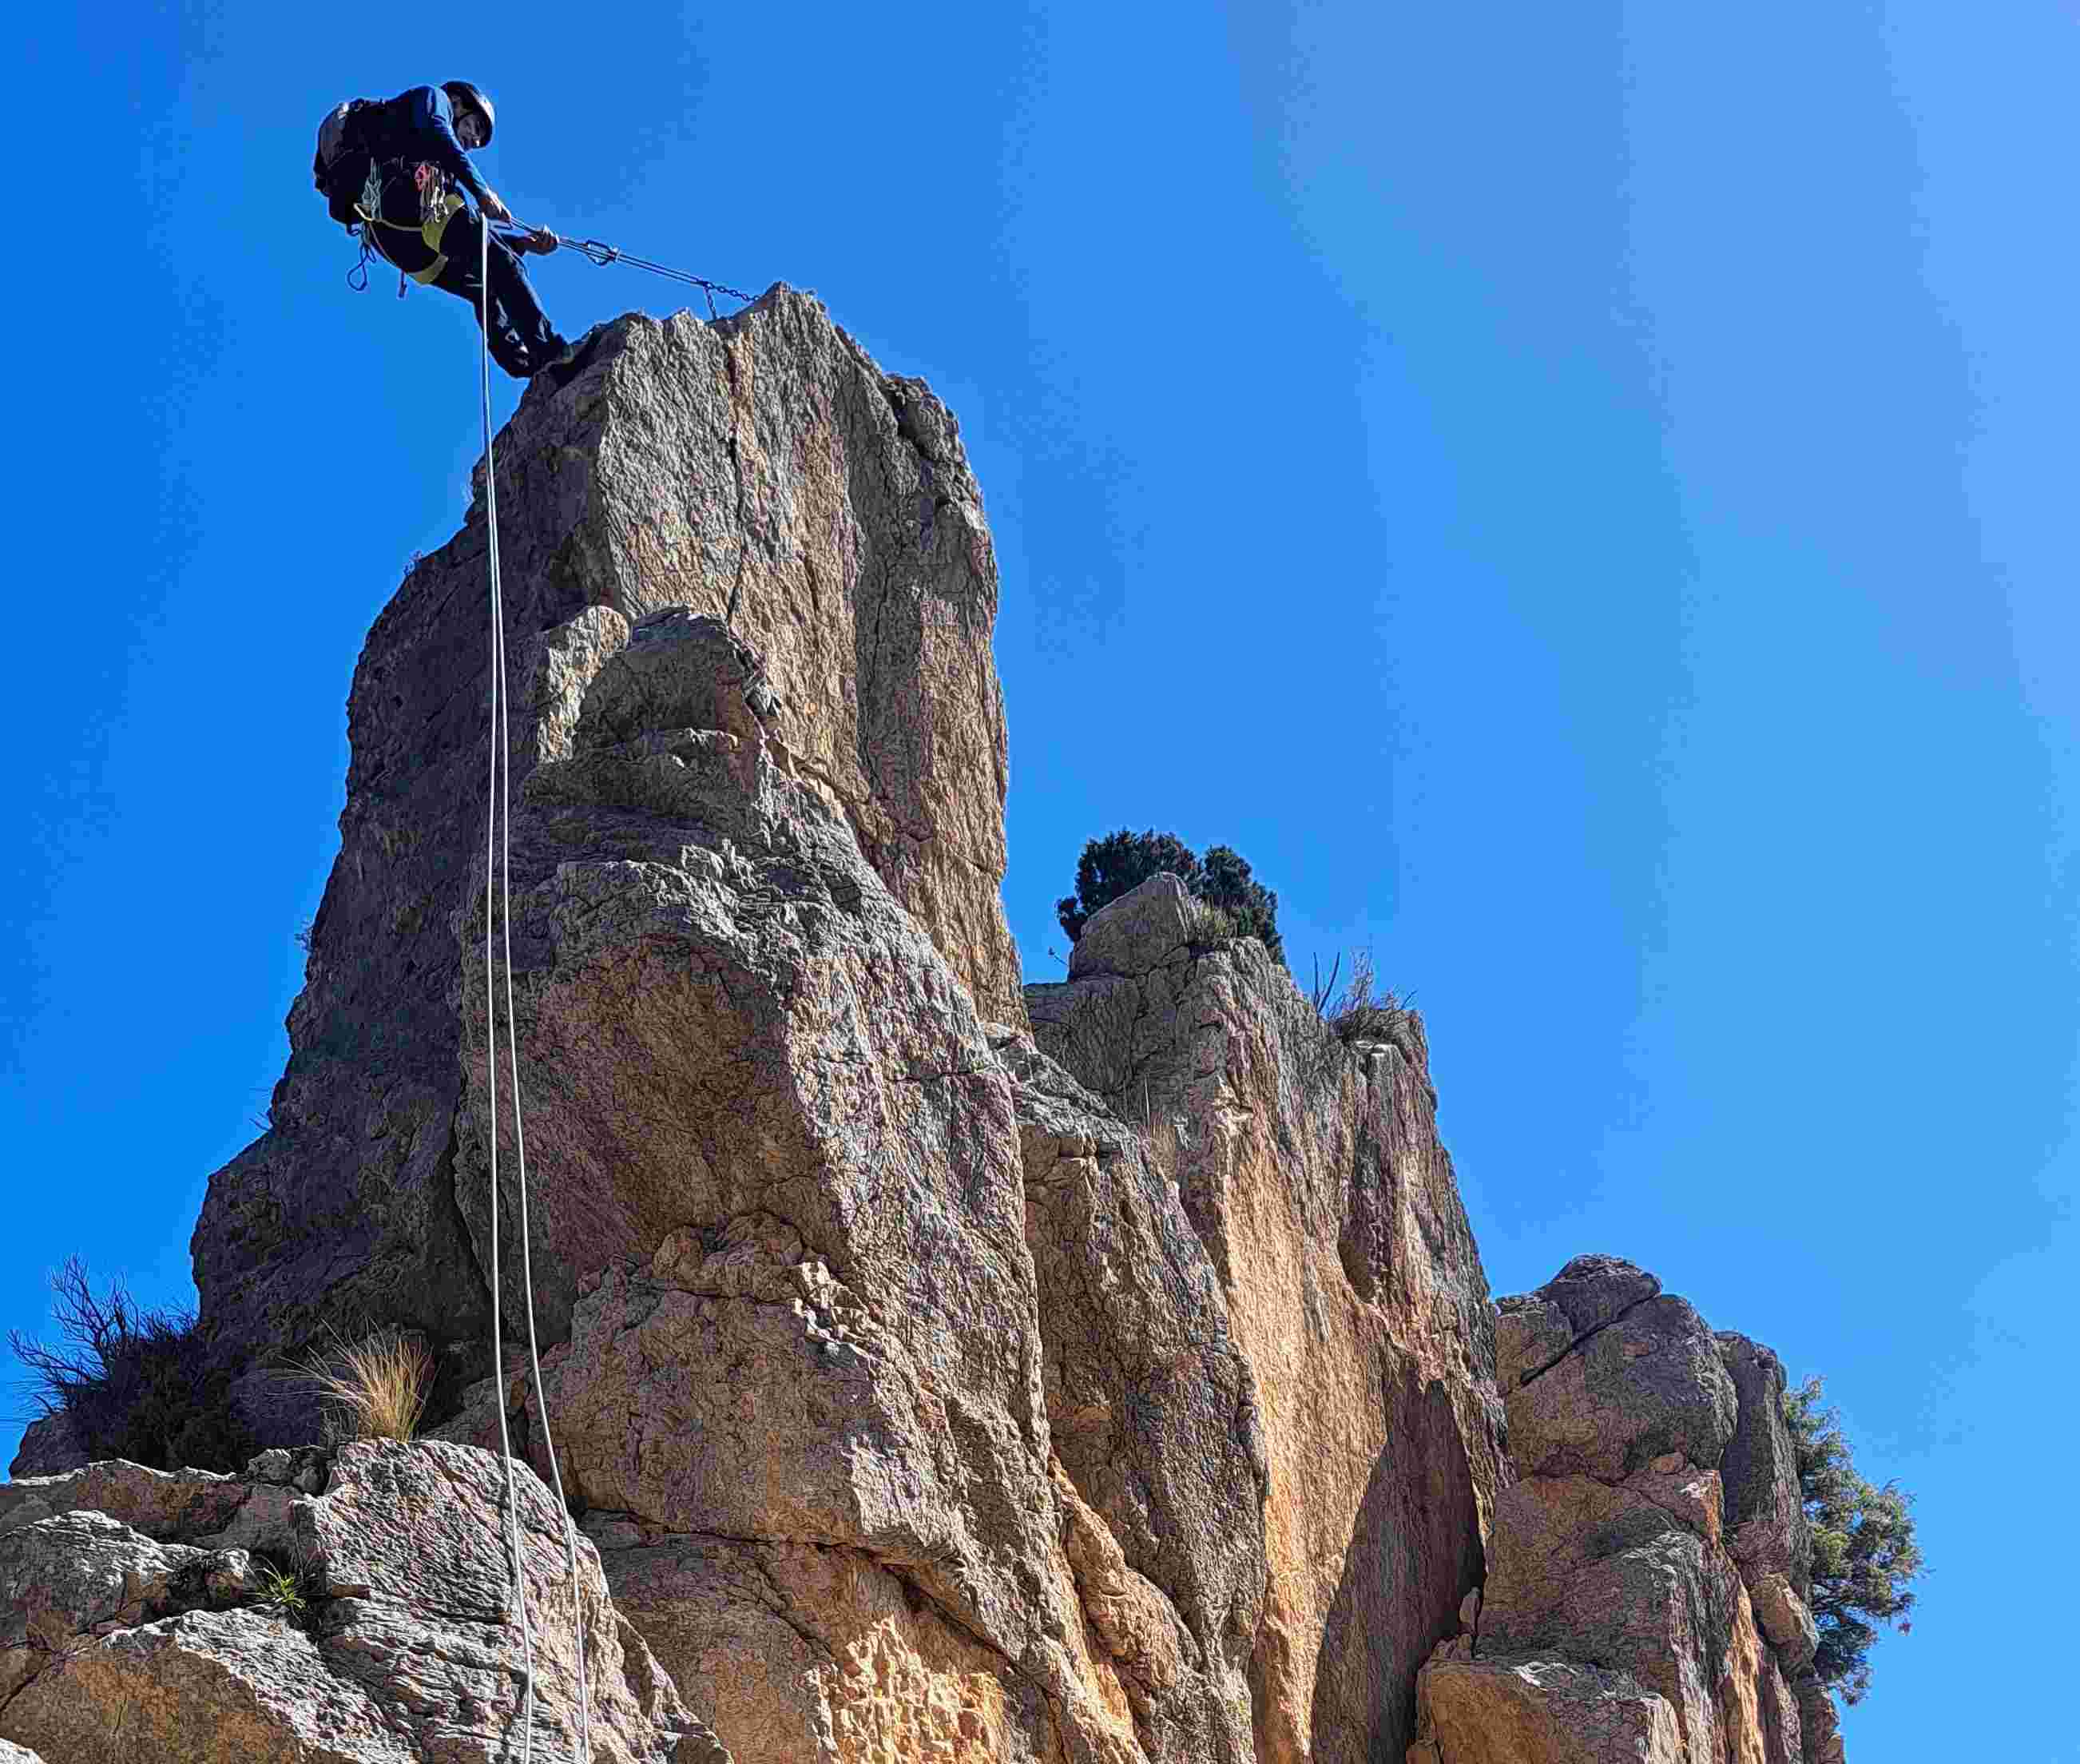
x: 1364, y: 1010
x: 375, y: 1388
x: 1222, y: 879
x: 1865, y: 1554
x: 135, y: 1381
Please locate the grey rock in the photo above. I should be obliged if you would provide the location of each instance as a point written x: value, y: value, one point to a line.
x: 801, y: 1346
x: 49, y: 1446
x: 1783, y: 1730
x: 1765, y: 1515
x: 1785, y: 1619
x: 1592, y: 1291
x: 402, y: 1643
x: 1143, y: 931
x: 1153, y: 1414
x: 1647, y: 1383
x: 1314, y: 1179
x: 1584, y: 1571
x: 1542, y: 1711
x: 1535, y: 1329
x: 1654, y: 1516
x: 763, y: 461
x: 1820, y: 1721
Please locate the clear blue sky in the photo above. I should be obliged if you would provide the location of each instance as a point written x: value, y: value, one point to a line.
x: 1581, y: 497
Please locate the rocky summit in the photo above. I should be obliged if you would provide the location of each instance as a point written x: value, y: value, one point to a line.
x: 938, y: 1367
x: 1649, y: 1566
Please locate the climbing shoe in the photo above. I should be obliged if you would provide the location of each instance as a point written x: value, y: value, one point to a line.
x: 561, y: 368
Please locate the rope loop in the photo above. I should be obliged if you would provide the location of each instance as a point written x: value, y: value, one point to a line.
x: 497, y: 867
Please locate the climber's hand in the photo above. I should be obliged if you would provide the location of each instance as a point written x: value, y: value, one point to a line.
x: 544, y: 240
x: 494, y: 209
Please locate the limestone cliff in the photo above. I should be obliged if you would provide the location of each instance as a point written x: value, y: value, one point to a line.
x: 1094, y: 1373
x: 765, y: 462
x: 1313, y: 1175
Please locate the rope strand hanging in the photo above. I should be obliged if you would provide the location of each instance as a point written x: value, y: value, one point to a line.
x: 497, y: 865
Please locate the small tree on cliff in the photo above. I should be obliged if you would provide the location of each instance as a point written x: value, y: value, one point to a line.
x: 1121, y: 862
x: 1865, y: 1554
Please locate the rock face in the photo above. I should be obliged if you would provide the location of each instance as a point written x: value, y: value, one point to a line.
x: 830, y: 1253
x: 349, y: 1606
x: 762, y: 463
x: 1648, y: 1567
x: 1313, y: 1176
x: 1097, y: 1373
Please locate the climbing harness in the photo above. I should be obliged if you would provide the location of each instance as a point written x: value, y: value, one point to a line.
x: 369, y: 209
x: 498, y: 862
x: 438, y: 204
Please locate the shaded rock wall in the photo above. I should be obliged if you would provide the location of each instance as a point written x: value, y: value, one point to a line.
x: 1313, y: 1177
x: 763, y: 460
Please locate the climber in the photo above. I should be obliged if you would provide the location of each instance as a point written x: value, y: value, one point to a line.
x: 396, y: 172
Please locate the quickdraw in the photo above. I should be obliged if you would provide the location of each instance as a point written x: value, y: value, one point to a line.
x: 438, y: 204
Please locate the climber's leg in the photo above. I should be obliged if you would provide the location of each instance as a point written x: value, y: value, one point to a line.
x: 523, y: 340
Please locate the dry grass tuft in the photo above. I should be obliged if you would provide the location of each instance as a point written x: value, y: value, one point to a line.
x: 1363, y: 1011
x: 373, y: 1388
x: 1165, y: 1147
x: 1206, y: 924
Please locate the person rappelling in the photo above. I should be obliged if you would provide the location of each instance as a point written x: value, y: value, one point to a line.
x: 397, y: 174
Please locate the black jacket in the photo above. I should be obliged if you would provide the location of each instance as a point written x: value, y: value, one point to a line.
x: 414, y: 126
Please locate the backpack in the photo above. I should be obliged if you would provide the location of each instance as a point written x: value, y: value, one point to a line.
x: 340, y: 166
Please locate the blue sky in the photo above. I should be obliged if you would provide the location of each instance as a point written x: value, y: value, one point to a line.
x: 1580, y: 497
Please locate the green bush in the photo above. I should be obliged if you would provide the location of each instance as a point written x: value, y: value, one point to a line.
x: 134, y: 1381
x: 1865, y: 1554
x: 1121, y: 862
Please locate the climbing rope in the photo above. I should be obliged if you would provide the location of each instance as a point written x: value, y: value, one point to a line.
x: 603, y: 254
x: 594, y: 251
x: 498, y: 820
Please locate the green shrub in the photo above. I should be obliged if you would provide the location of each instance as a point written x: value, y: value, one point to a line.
x: 1865, y: 1554
x: 1121, y: 862
x: 134, y: 1381
x: 289, y: 1588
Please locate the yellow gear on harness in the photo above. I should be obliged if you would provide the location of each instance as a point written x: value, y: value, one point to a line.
x: 438, y: 206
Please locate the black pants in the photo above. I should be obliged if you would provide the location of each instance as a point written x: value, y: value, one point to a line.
x: 522, y: 339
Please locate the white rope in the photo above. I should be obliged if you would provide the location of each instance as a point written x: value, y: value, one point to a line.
x: 499, y: 827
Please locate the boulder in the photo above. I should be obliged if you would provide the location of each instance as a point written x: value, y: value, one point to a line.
x: 347, y: 1606
x: 1785, y: 1619
x: 1542, y: 1712
x: 1536, y: 1328
x: 49, y: 1446
x: 1313, y: 1175
x: 1648, y: 1383
x: 1623, y: 1545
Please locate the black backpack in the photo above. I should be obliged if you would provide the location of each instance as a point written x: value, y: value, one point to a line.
x: 340, y: 167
